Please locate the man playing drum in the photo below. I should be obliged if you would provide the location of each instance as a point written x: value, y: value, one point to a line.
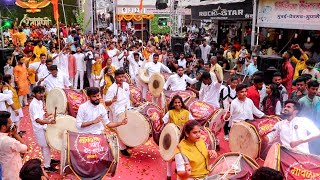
x: 178, y: 82
x: 242, y: 108
x: 39, y: 123
x: 294, y: 132
x: 118, y: 97
x: 92, y: 116
x: 55, y: 79
x: 211, y: 92
x: 152, y: 68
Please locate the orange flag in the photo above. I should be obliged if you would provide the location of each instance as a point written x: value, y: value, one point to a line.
x: 55, y: 10
x: 140, y: 6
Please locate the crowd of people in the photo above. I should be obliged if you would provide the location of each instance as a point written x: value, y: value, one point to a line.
x: 103, y: 63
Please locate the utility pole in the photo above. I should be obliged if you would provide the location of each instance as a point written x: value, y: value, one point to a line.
x: 174, y: 19
x: 254, y: 21
x: 1, y: 31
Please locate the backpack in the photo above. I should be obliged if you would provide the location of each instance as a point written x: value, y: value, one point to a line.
x: 222, y: 98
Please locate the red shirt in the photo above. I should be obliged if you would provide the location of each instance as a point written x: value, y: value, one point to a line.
x: 254, y: 95
x: 287, y: 76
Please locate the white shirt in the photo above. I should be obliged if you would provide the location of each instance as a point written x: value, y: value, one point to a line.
x: 112, y: 53
x: 61, y: 81
x: 80, y: 63
x: 242, y: 110
x: 134, y: 66
x: 37, y: 66
x: 183, y: 63
x: 63, y: 63
x: 210, y: 94
x: 123, y: 97
x: 152, y: 68
x: 299, y: 128
x: 6, y: 96
x: 204, y: 52
x: 178, y: 83
x: 88, y: 112
x: 8, y: 69
x: 36, y: 112
x: 228, y: 97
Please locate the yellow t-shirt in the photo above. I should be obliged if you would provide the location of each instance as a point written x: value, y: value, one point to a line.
x: 38, y: 51
x: 15, y: 98
x: 96, y: 68
x: 300, y: 65
x: 22, y: 38
x: 177, y: 117
x: 198, y: 156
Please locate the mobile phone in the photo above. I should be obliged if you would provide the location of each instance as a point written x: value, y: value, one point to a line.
x: 12, y: 127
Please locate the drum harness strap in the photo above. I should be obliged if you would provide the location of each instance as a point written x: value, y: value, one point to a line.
x: 231, y: 167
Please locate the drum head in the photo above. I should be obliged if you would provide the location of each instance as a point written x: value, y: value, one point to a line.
x: 231, y: 164
x: 136, y: 132
x: 56, y: 98
x: 55, y: 132
x: 156, y: 84
x: 143, y: 75
x: 273, y: 157
x: 169, y: 140
x: 244, y: 139
x: 208, y: 138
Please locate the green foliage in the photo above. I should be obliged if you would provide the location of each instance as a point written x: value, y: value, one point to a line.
x: 155, y: 28
x: 80, y: 20
x: 18, y: 12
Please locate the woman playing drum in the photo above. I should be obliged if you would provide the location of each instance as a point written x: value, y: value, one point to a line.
x: 178, y: 115
x: 192, y: 155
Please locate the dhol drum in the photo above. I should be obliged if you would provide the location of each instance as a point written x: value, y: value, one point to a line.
x: 293, y: 165
x: 186, y: 96
x: 143, y: 76
x: 152, y: 113
x: 92, y: 156
x: 232, y: 166
x: 170, y: 138
x: 65, y: 99
x: 55, y: 132
x: 137, y: 131
x: 244, y: 137
x: 217, y: 121
x: 136, y: 92
x: 156, y: 83
x: 201, y: 111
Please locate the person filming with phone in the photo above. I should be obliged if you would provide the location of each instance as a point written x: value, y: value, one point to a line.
x: 11, y: 145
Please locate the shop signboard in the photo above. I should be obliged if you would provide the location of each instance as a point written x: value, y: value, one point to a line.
x: 228, y: 11
x: 293, y: 14
x: 150, y: 10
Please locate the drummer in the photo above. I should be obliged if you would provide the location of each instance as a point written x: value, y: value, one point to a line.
x: 39, y: 121
x: 178, y: 82
x: 152, y: 68
x: 118, y: 98
x: 55, y: 80
x: 294, y: 131
x: 194, y: 148
x: 178, y: 115
x: 92, y: 116
x: 135, y: 63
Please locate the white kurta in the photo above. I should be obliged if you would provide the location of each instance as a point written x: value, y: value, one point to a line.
x: 123, y: 98
x: 37, y: 66
x: 210, y: 94
x: 178, y: 83
x: 88, y: 112
x: 36, y: 112
x: 243, y: 110
x: 299, y: 128
x: 61, y: 81
x: 152, y: 68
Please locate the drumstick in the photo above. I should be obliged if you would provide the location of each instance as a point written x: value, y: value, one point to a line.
x: 46, y: 76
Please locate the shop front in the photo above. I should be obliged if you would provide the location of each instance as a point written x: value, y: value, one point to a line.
x: 231, y: 21
x: 282, y: 23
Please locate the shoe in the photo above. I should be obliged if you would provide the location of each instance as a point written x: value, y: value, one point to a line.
x: 22, y: 133
x: 168, y: 177
x: 226, y: 137
x: 53, y: 161
x: 50, y: 169
x: 125, y: 153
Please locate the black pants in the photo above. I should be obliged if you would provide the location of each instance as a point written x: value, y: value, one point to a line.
x: 226, y: 128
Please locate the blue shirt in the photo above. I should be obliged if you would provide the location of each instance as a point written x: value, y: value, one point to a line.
x: 310, y: 108
x: 250, y: 69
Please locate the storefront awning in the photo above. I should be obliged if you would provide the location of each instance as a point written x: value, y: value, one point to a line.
x: 134, y: 17
x: 229, y: 11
